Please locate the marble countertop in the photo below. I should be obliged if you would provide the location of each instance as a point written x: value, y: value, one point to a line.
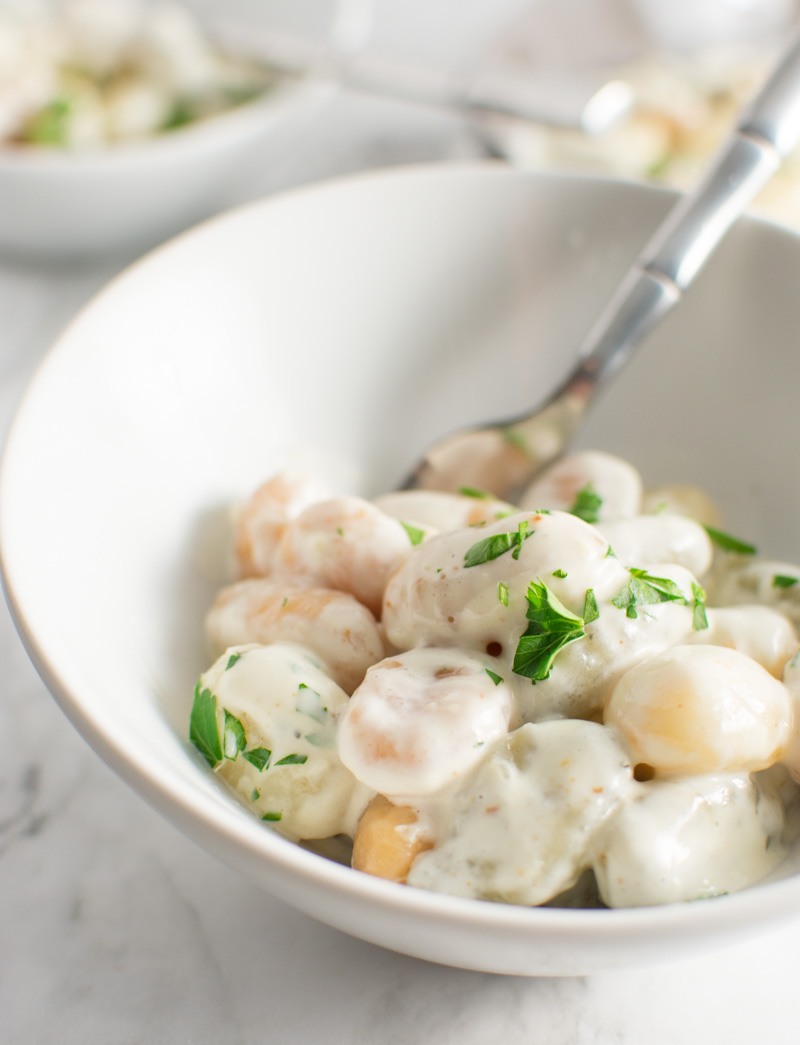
x: 116, y: 929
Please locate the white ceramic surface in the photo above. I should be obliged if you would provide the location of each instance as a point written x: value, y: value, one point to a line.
x: 349, y: 324
x: 64, y: 204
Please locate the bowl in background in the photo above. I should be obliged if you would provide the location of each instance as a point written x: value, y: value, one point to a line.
x: 347, y: 325
x: 59, y: 204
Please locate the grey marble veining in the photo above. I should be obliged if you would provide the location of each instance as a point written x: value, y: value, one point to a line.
x: 116, y: 929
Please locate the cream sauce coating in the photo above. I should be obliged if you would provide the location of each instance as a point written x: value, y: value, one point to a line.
x: 701, y: 709
x: 738, y: 580
x: 420, y: 720
x: 688, y: 839
x: 331, y: 624
x: 347, y: 544
x: 518, y: 830
x: 662, y: 538
x: 759, y: 632
x: 288, y: 705
x: 442, y: 511
x: 262, y: 519
x: 614, y: 480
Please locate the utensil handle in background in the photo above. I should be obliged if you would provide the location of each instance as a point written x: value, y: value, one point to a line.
x: 767, y: 131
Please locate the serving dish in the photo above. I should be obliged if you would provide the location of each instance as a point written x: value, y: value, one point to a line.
x: 345, y: 326
x: 130, y: 196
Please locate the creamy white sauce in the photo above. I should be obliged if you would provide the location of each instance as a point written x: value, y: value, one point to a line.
x: 675, y: 789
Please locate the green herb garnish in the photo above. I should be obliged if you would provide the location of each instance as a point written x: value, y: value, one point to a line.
x: 49, y: 125
x: 255, y: 794
x: 645, y: 590
x: 590, y: 610
x: 293, y: 760
x: 258, y: 757
x: 473, y: 491
x: 232, y: 660
x: 559, y: 573
x: 203, y: 726
x: 502, y: 593
x: 551, y: 628
x: 783, y: 580
x: 699, y: 618
x: 493, y: 547
x: 497, y: 679
x: 233, y: 738
x: 272, y: 816
x: 516, y: 438
x: 309, y: 702
x: 415, y: 535
x: 728, y: 543
x: 587, y: 504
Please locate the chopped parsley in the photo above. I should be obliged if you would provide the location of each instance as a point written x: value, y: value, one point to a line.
x: 645, y: 590
x: 340, y: 531
x: 232, y: 660
x: 415, y: 535
x: 493, y: 547
x: 728, y: 543
x: 590, y: 610
x: 292, y: 760
x: 255, y: 794
x: 699, y: 618
x: 587, y: 504
x: 502, y: 593
x: 559, y: 573
x: 203, y: 726
x: 233, y: 738
x: 515, y: 438
x: 309, y: 702
x: 522, y: 533
x: 285, y: 600
x: 258, y: 757
x: 473, y: 491
x: 783, y: 580
x: 551, y: 628
x: 497, y: 679
x: 272, y: 816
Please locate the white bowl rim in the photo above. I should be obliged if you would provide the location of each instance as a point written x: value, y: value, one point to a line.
x: 168, y: 791
x: 278, y: 101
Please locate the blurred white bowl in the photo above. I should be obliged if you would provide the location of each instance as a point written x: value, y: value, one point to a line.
x: 357, y: 321
x: 63, y: 204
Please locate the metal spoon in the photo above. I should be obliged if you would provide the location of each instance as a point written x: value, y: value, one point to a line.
x: 504, y: 457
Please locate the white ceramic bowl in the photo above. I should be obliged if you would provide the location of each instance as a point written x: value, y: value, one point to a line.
x: 356, y: 321
x: 59, y: 204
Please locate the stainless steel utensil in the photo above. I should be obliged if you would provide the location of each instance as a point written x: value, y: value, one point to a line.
x: 503, y: 457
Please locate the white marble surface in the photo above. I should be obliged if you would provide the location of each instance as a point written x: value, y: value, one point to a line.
x: 116, y: 929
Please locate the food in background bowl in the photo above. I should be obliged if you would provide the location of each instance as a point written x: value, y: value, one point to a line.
x: 538, y: 697
x: 91, y: 73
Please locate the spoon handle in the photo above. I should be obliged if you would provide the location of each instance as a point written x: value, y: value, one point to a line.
x: 768, y: 130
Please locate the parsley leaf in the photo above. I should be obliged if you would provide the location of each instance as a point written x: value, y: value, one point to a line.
x: 258, y: 757
x: 522, y: 533
x: 551, y: 628
x: 590, y: 610
x: 559, y: 573
x: 587, y: 504
x: 497, y: 679
x: 783, y: 580
x: 699, y: 618
x: 292, y: 760
x: 473, y: 491
x: 645, y: 590
x: 502, y: 593
x: 233, y: 738
x: 514, y: 437
x: 415, y: 535
x: 272, y: 816
x: 309, y: 702
x: 728, y: 543
x: 232, y: 660
x: 203, y: 726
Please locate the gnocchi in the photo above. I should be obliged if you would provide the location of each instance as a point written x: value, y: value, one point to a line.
x: 497, y: 701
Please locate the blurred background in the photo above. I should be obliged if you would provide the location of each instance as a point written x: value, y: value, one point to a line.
x: 638, y: 89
